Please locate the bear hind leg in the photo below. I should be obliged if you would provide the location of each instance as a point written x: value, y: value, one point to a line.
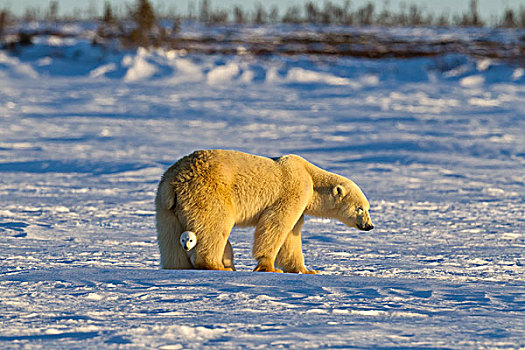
x: 169, y: 229
x: 212, y: 247
x: 227, y: 259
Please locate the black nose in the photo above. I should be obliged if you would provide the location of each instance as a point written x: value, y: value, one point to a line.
x: 368, y: 227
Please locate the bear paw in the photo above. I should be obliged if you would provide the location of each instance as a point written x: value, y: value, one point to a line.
x: 263, y: 268
x: 304, y: 270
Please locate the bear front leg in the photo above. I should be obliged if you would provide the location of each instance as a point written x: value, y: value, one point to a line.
x: 270, y: 234
x: 290, y: 257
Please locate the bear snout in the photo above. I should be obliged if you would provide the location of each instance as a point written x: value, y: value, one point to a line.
x: 366, y: 227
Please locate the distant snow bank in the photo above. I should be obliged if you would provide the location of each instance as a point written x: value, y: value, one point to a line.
x: 56, y: 57
x: 12, y: 66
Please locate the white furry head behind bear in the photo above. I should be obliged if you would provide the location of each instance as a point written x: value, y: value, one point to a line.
x: 188, y: 240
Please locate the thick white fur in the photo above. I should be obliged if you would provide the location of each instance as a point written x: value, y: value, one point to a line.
x: 188, y: 241
x: 208, y: 192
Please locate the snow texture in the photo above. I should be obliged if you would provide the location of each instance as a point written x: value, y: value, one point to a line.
x: 436, y: 144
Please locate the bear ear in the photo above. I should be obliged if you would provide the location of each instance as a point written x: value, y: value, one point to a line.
x: 339, y: 191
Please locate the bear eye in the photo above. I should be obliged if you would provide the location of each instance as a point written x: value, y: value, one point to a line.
x: 360, y: 210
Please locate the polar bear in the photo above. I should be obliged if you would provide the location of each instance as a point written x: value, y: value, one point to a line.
x: 188, y: 240
x: 208, y: 192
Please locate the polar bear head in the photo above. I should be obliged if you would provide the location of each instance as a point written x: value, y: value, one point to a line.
x: 351, y: 206
x: 188, y: 240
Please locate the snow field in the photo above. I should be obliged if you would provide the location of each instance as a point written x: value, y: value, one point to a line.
x: 436, y: 144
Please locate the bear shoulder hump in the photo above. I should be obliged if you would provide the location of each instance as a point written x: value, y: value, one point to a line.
x: 290, y: 159
x: 296, y: 167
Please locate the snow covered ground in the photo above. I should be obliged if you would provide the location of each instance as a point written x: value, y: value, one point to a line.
x: 436, y: 144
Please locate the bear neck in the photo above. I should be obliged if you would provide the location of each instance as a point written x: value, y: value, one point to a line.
x: 323, y: 182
